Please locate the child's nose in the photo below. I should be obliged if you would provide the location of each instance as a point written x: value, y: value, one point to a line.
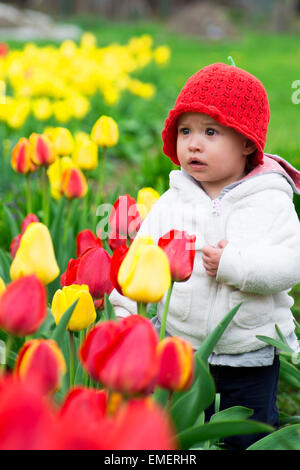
x: 196, y: 142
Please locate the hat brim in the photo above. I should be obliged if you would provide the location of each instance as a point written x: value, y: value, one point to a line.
x: 169, y: 133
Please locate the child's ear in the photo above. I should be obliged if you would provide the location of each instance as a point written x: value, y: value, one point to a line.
x: 249, y: 147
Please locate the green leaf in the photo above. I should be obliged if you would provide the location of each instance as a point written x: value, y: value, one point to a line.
x: 276, y: 343
x: 219, y: 430
x: 5, y: 262
x: 211, y: 340
x: 186, y: 406
x: 289, y: 373
x: 161, y: 395
x: 108, y: 312
x: 60, y: 328
x: 12, y: 224
x: 232, y: 414
x: 287, y: 438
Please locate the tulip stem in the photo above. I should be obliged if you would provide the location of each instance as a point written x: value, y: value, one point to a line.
x: 28, y: 194
x: 142, y: 308
x: 72, y: 353
x: 165, y: 312
x: 67, y: 221
x: 8, y: 345
x: 45, y: 190
x: 101, y: 175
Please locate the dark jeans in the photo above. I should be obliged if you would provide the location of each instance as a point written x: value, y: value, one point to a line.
x: 252, y: 387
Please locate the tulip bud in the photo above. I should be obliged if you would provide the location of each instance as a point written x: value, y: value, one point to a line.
x: 86, y: 403
x: 85, y: 154
x: 55, y: 172
x: 41, y: 362
x: 179, y: 247
x: 176, y: 364
x: 23, y: 306
x: 105, y: 132
x: 21, y: 157
x: 62, y: 140
x: 42, y: 109
x: 85, y: 240
x: 84, y: 313
x: 146, y: 198
x: 35, y: 255
x: 122, y: 355
x: 94, y: 270
x: 144, y: 274
x: 125, y: 218
x: 73, y: 183
x: 41, y: 150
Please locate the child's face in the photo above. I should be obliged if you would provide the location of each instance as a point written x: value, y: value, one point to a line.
x: 213, y: 154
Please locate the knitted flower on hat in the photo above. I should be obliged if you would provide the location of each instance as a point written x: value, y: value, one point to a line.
x: 228, y: 94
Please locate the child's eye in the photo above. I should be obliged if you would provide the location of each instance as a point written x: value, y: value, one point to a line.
x: 210, y: 131
x: 184, y: 130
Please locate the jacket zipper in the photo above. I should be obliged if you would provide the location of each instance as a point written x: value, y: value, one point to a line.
x: 216, y: 211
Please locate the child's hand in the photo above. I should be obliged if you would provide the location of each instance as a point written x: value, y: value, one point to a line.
x: 211, y: 256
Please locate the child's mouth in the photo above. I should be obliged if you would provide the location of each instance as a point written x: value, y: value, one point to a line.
x: 196, y: 164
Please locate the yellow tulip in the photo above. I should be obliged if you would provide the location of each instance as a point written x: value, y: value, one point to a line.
x: 84, y: 313
x: 42, y: 109
x: 2, y: 286
x: 144, y: 275
x: 161, y: 55
x: 35, y: 255
x: 62, y: 140
x: 146, y: 197
x: 88, y: 41
x: 105, y: 132
x: 85, y: 154
x: 55, y: 172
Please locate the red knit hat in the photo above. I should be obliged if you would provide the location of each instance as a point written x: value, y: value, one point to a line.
x: 228, y: 94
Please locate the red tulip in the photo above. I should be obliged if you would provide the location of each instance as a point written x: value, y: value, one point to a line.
x: 179, y: 247
x: 73, y: 183
x: 85, y: 240
x: 69, y: 276
x: 140, y: 424
x: 41, y: 362
x: 42, y: 151
x: 122, y: 355
x: 21, y: 159
x: 176, y: 364
x: 15, y: 245
x: 23, y: 306
x: 28, y: 220
x: 115, y: 240
x: 94, y: 270
x: 125, y: 218
x: 116, y: 261
x: 83, y: 402
x: 27, y: 419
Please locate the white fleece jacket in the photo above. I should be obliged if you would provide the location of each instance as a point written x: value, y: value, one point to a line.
x: 260, y: 264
